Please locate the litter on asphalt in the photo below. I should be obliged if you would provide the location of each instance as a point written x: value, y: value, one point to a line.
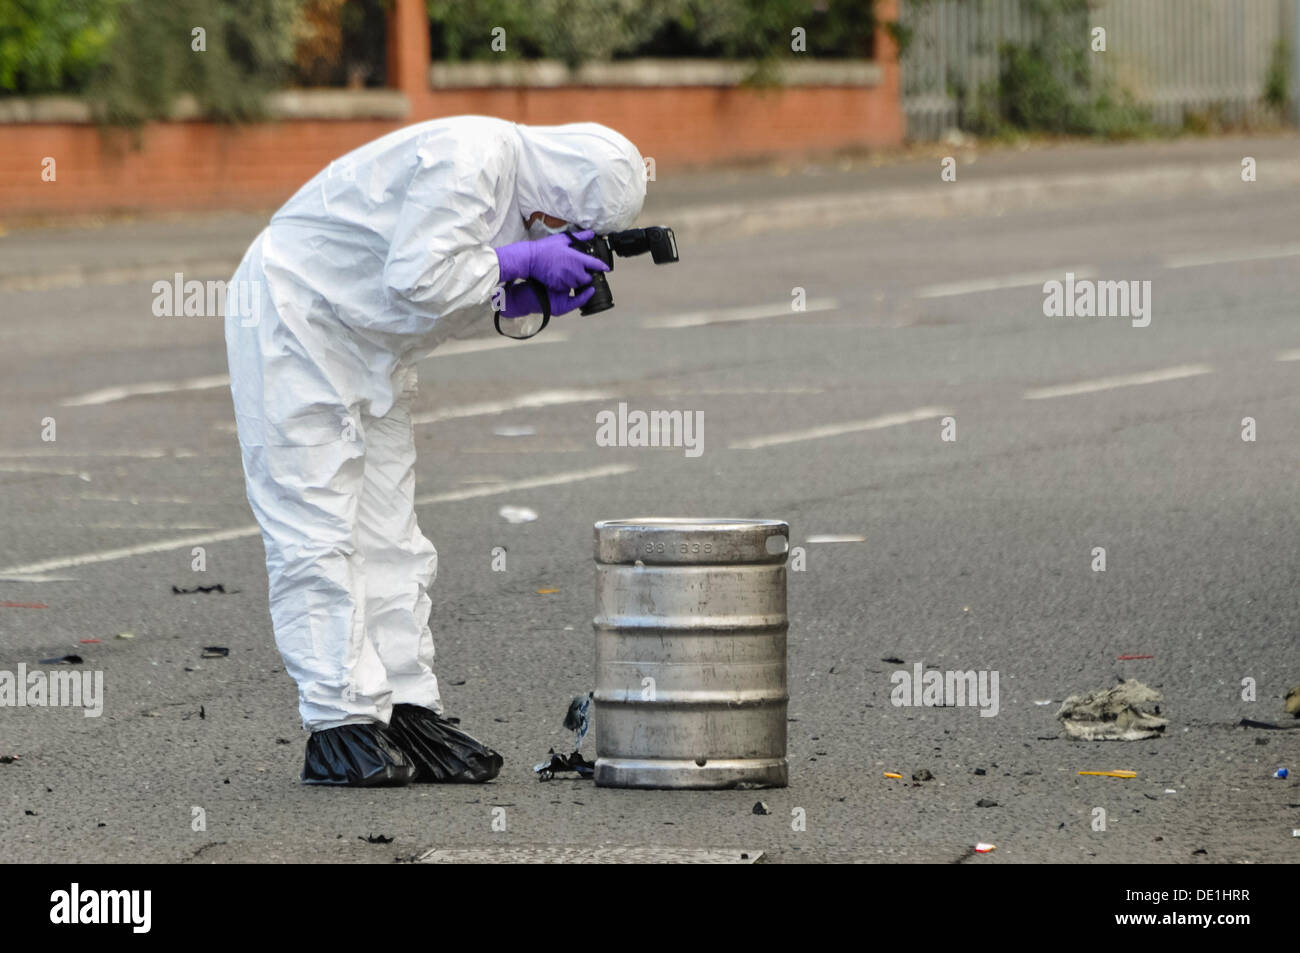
x: 558, y: 763
x: 517, y: 514
x: 1111, y: 774
x: 1127, y: 712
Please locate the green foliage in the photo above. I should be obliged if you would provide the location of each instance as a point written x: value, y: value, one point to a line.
x: 1046, y: 86
x: 248, y: 44
x: 49, y: 46
x: 1277, y: 81
x: 578, y: 31
x: 132, y: 58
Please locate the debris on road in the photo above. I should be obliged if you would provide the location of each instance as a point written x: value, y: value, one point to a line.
x: 524, y: 430
x: 1129, y: 658
x: 23, y: 605
x: 547, y: 592
x: 8, y: 758
x: 1292, y: 703
x: 893, y: 661
x: 891, y: 774
x: 986, y: 802
x: 1251, y: 723
x: 214, y: 651
x: 375, y: 839
x: 922, y: 775
x: 547, y: 770
x: 90, y: 641
x: 760, y: 807
x: 578, y: 718
x: 1127, y: 712
x: 63, y: 660
x: 1281, y: 774
x: 126, y: 635
x: 517, y: 514
x: 1111, y: 774
x: 219, y: 587
x: 983, y: 848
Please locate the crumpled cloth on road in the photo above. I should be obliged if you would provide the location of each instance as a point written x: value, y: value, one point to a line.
x: 1127, y: 712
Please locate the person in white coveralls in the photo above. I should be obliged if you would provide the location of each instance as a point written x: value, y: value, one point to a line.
x: 391, y: 250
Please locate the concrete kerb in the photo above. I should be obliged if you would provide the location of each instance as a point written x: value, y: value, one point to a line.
x: 942, y: 200
x: 991, y: 197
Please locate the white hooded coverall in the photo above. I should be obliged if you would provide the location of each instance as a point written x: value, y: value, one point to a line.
x: 373, y: 263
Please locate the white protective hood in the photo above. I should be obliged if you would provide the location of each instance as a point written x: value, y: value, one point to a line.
x: 584, y: 173
x: 394, y: 241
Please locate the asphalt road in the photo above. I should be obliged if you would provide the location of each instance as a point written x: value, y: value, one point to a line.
x: 978, y: 552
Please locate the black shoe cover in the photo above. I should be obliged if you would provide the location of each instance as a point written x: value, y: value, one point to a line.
x: 441, y: 752
x: 362, y: 755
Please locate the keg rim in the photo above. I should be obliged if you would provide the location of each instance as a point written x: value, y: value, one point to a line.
x: 675, y: 540
x: 690, y: 522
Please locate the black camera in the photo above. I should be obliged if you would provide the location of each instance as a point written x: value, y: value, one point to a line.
x: 658, y: 240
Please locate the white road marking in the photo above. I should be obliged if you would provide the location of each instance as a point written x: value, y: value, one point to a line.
x: 241, y: 532
x: 533, y: 483
x: 125, y: 552
x: 38, y: 579
x: 732, y: 391
x: 62, y: 471
x: 169, y: 527
x: 110, y: 394
x: 694, y: 319
x: 980, y: 285
x: 1229, y: 257
x: 533, y: 401
x: 147, y: 388
x: 1124, y: 380
x: 835, y: 430
x: 474, y: 345
x: 1291, y: 355
x: 151, y: 454
x: 133, y: 500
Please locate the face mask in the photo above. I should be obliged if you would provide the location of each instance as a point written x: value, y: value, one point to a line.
x: 537, y: 228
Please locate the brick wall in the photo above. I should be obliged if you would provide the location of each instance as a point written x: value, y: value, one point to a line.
x: 180, y: 166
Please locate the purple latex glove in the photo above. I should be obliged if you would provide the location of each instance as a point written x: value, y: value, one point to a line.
x: 521, y: 299
x: 551, y: 260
